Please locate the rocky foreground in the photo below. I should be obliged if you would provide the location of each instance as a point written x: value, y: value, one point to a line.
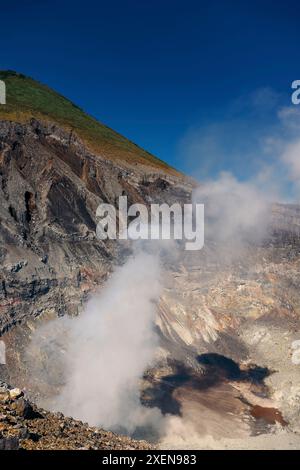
x: 25, y: 426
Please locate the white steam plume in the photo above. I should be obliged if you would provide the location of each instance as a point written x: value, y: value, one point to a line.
x: 108, y: 347
x: 235, y: 211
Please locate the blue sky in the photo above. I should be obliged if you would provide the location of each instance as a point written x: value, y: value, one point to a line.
x: 197, y: 83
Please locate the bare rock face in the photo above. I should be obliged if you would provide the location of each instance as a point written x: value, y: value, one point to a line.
x: 227, y: 326
x: 50, y: 188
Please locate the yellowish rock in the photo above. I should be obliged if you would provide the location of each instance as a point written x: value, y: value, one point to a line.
x: 4, y: 396
x: 15, y: 393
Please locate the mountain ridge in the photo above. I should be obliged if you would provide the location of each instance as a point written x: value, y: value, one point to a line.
x: 28, y: 98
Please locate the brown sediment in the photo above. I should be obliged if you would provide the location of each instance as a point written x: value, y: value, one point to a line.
x: 270, y: 415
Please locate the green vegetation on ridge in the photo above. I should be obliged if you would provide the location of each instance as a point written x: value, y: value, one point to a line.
x: 27, y: 98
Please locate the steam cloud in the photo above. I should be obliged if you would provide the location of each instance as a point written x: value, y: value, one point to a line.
x: 234, y: 210
x: 108, y: 347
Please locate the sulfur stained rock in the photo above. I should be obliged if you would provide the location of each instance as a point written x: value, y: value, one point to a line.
x: 15, y: 393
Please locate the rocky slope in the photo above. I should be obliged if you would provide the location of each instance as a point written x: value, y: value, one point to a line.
x: 235, y: 326
x: 228, y: 320
x: 56, y: 166
x: 25, y: 426
x: 50, y: 188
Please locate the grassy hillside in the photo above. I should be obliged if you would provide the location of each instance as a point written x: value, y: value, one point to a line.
x: 27, y: 98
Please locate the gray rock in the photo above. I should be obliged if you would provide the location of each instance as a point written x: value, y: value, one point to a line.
x: 9, y: 443
x: 23, y: 409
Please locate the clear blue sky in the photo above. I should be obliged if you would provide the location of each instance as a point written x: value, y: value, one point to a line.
x: 165, y: 73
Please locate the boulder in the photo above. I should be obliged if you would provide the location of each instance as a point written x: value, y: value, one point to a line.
x: 4, y: 396
x: 15, y: 393
x: 23, y: 409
